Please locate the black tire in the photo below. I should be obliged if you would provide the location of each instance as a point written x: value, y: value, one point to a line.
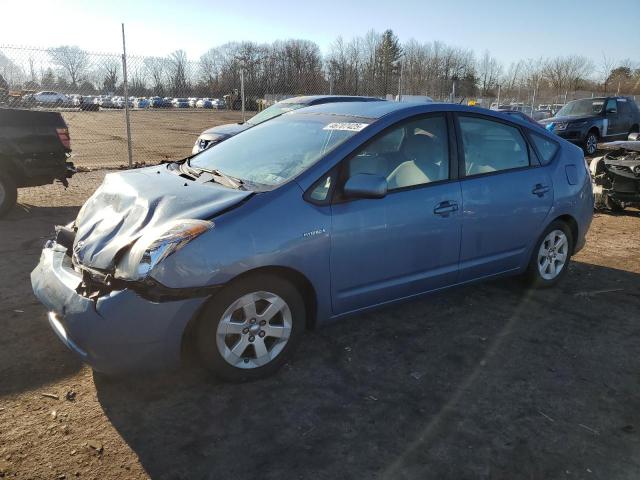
x: 8, y: 193
x: 211, y: 316
x: 590, y: 144
x: 612, y: 204
x: 533, y: 276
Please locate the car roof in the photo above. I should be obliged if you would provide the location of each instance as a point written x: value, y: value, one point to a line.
x: 321, y: 99
x: 376, y: 110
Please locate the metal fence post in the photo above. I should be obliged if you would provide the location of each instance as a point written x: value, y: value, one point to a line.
x: 126, y: 98
x: 242, y: 92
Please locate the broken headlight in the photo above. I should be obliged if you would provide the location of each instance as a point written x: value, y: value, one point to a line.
x: 156, y: 245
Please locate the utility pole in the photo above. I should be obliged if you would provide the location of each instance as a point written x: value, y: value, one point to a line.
x: 400, y: 79
x: 242, y: 91
x: 126, y: 98
x: 498, y: 101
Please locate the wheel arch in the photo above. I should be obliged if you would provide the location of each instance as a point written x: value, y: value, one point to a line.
x: 573, y: 227
x: 297, y: 279
x: 596, y: 129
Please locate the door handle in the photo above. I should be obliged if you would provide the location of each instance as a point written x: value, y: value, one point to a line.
x: 445, y: 208
x: 540, y: 190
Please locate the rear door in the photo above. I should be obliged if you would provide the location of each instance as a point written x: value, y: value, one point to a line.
x: 625, y: 114
x: 614, y: 121
x: 407, y: 242
x: 506, y: 196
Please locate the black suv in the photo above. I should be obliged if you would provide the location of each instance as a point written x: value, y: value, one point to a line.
x: 591, y: 120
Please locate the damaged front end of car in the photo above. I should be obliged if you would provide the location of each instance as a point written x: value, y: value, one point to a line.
x: 616, y: 175
x: 96, y: 275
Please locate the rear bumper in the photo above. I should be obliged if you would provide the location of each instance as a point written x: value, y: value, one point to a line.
x: 117, y: 333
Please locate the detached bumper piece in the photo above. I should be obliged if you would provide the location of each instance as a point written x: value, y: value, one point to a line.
x: 117, y: 331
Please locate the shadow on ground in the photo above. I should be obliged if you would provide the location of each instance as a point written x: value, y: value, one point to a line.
x: 30, y: 353
x: 488, y: 381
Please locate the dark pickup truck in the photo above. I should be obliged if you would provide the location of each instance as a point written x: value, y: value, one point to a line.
x: 589, y: 121
x: 34, y: 149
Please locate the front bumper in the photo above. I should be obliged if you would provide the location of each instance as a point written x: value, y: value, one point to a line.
x: 573, y: 135
x: 116, y: 333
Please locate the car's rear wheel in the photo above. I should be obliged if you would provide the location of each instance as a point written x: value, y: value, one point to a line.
x: 8, y: 193
x: 551, y: 256
x: 612, y: 204
x: 591, y: 143
x: 250, y: 328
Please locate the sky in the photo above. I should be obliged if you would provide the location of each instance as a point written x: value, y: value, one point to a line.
x: 510, y: 30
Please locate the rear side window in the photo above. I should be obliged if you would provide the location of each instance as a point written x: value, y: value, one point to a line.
x: 547, y: 148
x: 491, y: 146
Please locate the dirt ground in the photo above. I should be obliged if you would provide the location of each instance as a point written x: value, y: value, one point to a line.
x: 484, y: 382
x: 99, y: 139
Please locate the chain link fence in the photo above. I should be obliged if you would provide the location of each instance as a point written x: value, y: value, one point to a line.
x: 171, y: 100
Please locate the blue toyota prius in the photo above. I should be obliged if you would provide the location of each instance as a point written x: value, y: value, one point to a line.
x: 317, y: 214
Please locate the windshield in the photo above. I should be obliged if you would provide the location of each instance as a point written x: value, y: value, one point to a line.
x: 581, y: 108
x: 278, y: 150
x: 274, y: 111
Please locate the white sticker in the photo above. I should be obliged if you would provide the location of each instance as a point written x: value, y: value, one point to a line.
x: 348, y: 126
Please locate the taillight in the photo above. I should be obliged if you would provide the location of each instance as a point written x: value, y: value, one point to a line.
x: 63, y: 135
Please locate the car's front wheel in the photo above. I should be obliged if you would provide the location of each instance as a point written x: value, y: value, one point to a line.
x: 591, y: 143
x: 250, y: 328
x: 551, y: 256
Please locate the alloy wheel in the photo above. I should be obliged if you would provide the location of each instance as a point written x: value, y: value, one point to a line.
x: 254, y: 330
x: 592, y: 144
x: 553, y: 254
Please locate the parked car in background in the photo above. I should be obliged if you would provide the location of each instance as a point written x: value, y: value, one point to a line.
x: 180, y: 103
x: 215, y: 135
x: 591, y: 120
x: 542, y: 114
x: 104, y: 101
x: 141, y: 103
x: 48, y: 97
x: 519, y: 114
x: 34, y: 149
x: 159, y: 102
x: 204, y: 103
x: 192, y: 101
x: 317, y: 214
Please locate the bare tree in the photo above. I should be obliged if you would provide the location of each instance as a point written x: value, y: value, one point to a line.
x: 109, y: 71
x: 72, y: 60
x: 489, y: 72
x: 178, y: 72
x: 156, y: 68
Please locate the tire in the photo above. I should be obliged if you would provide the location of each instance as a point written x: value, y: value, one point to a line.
x: 612, y: 204
x: 590, y: 144
x: 8, y: 193
x: 224, y: 326
x: 534, y: 275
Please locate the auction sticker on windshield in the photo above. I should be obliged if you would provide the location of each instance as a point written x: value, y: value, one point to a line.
x: 348, y: 126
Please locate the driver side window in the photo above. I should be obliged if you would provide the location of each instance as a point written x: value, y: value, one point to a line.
x: 415, y: 153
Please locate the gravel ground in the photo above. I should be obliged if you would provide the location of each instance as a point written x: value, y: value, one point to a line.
x: 99, y: 139
x: 484, y: 382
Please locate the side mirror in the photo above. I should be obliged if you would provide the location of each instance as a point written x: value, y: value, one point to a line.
x: 363, y: 185
x: 612, y: 111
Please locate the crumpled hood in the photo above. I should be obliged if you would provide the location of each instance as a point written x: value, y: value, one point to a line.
x: 228, y: 129
x: 129, y: 203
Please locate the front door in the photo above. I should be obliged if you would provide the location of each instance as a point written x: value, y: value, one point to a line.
x: 407, y: 242
x: 506, y: 196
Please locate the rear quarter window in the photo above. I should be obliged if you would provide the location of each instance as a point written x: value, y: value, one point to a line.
x: 546, y: 148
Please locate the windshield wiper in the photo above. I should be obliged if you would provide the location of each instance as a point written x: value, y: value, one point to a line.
x: 230, y: 181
